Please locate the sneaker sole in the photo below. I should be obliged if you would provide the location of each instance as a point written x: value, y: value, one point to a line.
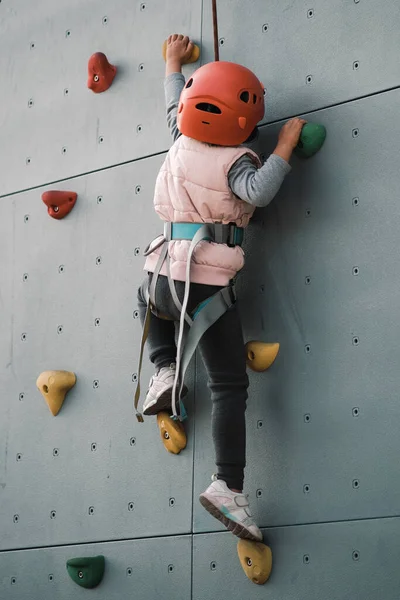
x: 234, y: 527
x: 164, y: 403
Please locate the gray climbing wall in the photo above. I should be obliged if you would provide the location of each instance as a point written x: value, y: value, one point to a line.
x: 321, y: 279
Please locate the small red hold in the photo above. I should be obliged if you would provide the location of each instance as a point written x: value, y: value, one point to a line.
x: 59, y: 204
x: 101, y: 73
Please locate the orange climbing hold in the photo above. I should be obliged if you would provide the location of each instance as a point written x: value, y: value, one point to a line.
x: 54, y: 386
x: 100, y: 73
x: 59, y: 204
x: 256, y: 560
x: 172, y: 433
x: 261, y: 355
x: 194, y: 57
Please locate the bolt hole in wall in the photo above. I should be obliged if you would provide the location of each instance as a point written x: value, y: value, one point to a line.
x: 129, y: 571
x: 213, y: 565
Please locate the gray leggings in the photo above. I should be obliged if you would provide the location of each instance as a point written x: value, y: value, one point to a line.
x: 223, y: 354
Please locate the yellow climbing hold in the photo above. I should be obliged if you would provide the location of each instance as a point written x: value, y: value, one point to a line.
x: 172, y: 433
x: 193, y: 58
x: 261, y: 355
x: 54, y: 386
x: 256, y: 560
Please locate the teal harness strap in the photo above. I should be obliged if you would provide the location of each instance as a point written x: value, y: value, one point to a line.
x: 213, y: 308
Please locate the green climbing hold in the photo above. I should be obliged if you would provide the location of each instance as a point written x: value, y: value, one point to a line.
x: 312, y: 139
x: 86, y: 571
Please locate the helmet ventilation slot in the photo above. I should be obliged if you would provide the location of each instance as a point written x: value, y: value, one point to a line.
x: 210, y: 108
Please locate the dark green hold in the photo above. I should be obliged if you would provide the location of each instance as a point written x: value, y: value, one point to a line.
x: 312, y: 139
x: 86, y: 571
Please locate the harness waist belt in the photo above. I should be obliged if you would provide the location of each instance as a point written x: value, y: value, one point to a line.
x: 229, y: 234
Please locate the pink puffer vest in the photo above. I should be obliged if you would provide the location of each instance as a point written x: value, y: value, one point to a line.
x: 192, y: 187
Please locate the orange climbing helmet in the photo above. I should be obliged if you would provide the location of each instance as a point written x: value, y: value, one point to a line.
x: 221, y: 104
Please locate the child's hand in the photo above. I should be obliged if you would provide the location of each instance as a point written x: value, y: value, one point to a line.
x: 289, y: 137
x: 179, y: 48
x: 290, y: 133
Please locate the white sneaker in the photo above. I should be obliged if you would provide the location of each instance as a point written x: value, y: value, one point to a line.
x: 232, y: 509
x: 159, y: 394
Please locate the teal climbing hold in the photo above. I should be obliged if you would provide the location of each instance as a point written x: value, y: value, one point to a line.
x: 86, y: 571
x: 312, y: 139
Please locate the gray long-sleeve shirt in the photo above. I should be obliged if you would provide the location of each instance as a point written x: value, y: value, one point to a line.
x: 255, y: 186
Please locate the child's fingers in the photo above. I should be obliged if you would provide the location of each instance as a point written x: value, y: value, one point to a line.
x: 180, y: 37
x: 186, y: 40
x: 174, y: 37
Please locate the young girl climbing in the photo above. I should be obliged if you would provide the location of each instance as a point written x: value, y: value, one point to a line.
x: 209, y: 177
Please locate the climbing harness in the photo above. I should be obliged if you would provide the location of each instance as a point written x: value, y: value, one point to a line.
x: 207, y: 312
